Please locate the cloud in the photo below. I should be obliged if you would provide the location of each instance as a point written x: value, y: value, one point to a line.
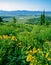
x: 9, y: 6
x: 22, y: 6
x: 17, y: 6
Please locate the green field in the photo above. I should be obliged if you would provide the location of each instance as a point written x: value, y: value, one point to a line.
x: 25, y: 44
x: 29, y: 19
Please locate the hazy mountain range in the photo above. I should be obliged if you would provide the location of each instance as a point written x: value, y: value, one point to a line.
x: 23, y: 12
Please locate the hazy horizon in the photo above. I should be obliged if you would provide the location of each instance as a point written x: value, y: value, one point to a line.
x: 29, y: 5
x: 26, y: 10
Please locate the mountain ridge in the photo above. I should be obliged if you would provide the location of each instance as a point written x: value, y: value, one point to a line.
x: 22, y: 12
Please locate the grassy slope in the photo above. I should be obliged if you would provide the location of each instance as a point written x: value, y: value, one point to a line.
x: 17, y: 40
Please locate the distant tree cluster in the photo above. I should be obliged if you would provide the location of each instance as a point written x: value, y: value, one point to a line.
x: 14, y: 21
x: 42, y: 18
x: 1, y: 20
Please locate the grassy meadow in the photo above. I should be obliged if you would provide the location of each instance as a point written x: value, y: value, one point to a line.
x: 25, y: 43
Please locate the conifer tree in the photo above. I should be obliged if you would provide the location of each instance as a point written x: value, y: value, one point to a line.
x: 42, y: 21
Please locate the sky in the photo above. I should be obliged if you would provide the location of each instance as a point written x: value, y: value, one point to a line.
x: 32, y: 5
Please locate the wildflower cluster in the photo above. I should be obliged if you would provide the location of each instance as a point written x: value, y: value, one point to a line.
x: 36, y: 56
x: 25, y: 44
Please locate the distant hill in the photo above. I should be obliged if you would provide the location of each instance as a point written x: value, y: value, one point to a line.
x: 23, y: 12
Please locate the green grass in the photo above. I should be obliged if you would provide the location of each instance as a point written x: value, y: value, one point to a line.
x: 25, y: 44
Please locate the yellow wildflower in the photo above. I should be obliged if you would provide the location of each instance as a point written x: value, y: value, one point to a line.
x: 31, y: 64
x: 48, y: 59
x: 46, y: 55
x: 38, y: 50
x: 29, y: 58
x: 33, y: 59
x: 34, y: 50
x: 19, y: 45
x: 30, y: 51
x: 5, y: 36
x: 0, y: 37
x: 13, y: 38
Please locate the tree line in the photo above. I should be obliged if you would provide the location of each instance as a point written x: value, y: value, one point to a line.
x: 42, y: 19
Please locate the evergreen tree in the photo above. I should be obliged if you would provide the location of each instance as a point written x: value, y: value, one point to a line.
x: 14, y: 19
x: 42, y: 18
x: 1, y: 20
x: 47, y: 23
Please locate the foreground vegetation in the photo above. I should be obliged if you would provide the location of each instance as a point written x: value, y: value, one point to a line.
x: 25, y: 44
